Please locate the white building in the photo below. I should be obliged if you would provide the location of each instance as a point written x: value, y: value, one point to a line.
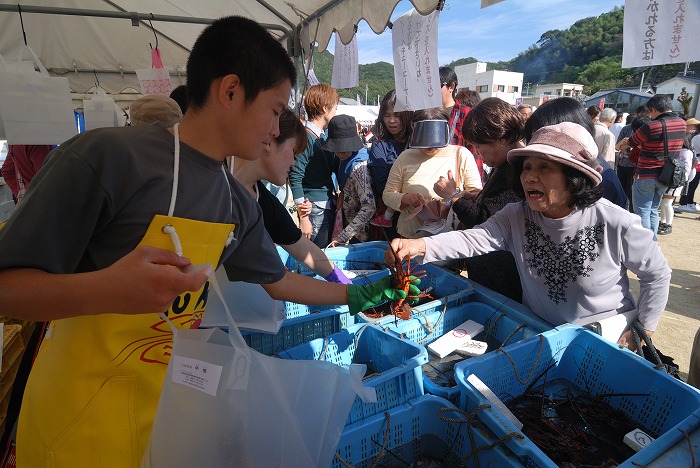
x: 559, y: 89
x: 673, y: 87
x: 494, y: 83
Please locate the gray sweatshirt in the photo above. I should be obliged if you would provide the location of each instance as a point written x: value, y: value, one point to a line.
x: 574, y: 267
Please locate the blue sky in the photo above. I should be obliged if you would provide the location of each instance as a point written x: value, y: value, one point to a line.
x: 498, y: 32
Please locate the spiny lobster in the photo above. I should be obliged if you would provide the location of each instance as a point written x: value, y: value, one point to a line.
x: 401, y: 279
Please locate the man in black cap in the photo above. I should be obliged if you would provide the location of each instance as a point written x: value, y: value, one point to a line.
x: 356, y: 202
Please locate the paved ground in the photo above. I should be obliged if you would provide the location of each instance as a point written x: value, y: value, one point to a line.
x: 675, y: 333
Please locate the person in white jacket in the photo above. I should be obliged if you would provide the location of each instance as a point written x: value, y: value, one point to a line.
x: 572, y: 247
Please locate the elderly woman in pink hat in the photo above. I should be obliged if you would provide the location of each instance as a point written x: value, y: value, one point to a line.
x: 572, y: 247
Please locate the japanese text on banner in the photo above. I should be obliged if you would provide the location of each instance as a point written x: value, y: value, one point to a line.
x: 346, y: 71
x: 658, y: 32
x: 416, y: 72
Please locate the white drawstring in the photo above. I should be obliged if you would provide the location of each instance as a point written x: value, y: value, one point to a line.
x: 170, y: 230
x: 176, y: 169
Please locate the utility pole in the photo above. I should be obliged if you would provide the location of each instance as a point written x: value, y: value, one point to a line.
x: 366, y: 91
x: 641, y: 83
x: 528, y: 88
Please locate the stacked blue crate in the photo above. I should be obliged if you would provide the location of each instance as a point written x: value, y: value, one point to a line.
x: 426, y: 428
x: 500, y: 328
x: 394, y: 365
x: 663, y: 407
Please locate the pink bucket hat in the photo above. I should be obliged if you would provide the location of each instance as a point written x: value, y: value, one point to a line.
x: 567, y: 143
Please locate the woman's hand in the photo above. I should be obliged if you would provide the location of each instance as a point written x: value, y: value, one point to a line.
x: 412, y: 200
x: 304, y: 209
x: 446, y: 188
x: 627, y: 341
x: 400, y: 249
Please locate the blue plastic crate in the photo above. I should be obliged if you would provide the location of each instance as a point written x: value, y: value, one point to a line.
x: 362, y: 256
x: 499, y: 326
x: 447, y: 289
x: 657, y: 403
x: 418, y: 429
x: 299, y: 330
x: 397, y: 363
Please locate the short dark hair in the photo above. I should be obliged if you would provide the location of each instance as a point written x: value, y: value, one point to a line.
x: 433, y: 113
x: 493, y: 119
x: 291, y: 127
x: 468, y: 98
x: 552, y: 112
x: 381, y: 132
x: 448, y: 76
x: 179, y: 95
x: 593, y: 111
x: 639, y: 121
x: 660, y: 102
x: 240, y: 46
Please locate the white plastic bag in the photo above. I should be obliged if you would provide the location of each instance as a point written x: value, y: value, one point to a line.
x: 100, y: 110
x: 251, y: 307
x: 225, y: 404
x: 35, y: 108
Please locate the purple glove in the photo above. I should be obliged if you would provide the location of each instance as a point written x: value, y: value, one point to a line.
x: 337, y: 276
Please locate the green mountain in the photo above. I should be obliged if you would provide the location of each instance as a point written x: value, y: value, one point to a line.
x: 589, y: 52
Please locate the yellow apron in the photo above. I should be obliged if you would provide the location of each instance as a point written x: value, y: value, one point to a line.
x: 93, y: 391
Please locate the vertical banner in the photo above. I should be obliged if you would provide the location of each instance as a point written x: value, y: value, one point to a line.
x: 414, y: 39
x: 346, y: 71
x: 518, y: 102
x: 487, y: 3
x: 659, y: 32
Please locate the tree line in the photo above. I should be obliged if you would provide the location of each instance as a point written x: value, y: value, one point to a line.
x: 589, y: 53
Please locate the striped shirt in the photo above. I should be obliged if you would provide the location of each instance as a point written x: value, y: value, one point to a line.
x: 649, y: 139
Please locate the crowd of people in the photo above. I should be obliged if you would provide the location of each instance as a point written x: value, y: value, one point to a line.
x: 550, y: 207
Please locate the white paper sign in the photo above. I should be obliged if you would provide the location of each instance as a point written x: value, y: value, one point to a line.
x: 311, y: 74
x: 200, y: 375
x: 416, y: 72
x: 658, y: 32
x: 346, y: 71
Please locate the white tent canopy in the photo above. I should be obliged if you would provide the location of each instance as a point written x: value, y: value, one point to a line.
x: 365, y: 115
x: 73, y: 38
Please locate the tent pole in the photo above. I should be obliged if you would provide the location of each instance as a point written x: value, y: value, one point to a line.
x: 123, y: 15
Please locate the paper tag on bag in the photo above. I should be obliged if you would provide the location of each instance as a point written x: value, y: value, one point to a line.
x: 193, y: 373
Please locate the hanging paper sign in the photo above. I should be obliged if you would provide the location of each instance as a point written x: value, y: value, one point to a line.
x: 346, y: 71
x: 311, y: 74
x: 487, y: 3
x: 414, y: 40
x: 659, y: 32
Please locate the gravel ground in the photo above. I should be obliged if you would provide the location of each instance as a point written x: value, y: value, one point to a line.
x: 675, y: 333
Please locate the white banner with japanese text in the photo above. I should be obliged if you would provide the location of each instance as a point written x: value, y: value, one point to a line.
x: 414, y: 41
x: 346, y: 70
x: 659, y: 32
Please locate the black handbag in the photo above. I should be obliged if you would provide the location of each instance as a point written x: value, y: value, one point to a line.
x: 673, y: 172
x: 650, y: 353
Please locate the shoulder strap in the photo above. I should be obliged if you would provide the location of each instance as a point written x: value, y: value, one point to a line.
x: 663, y: 135
x: 454, y: 122
x: 311, y: 132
